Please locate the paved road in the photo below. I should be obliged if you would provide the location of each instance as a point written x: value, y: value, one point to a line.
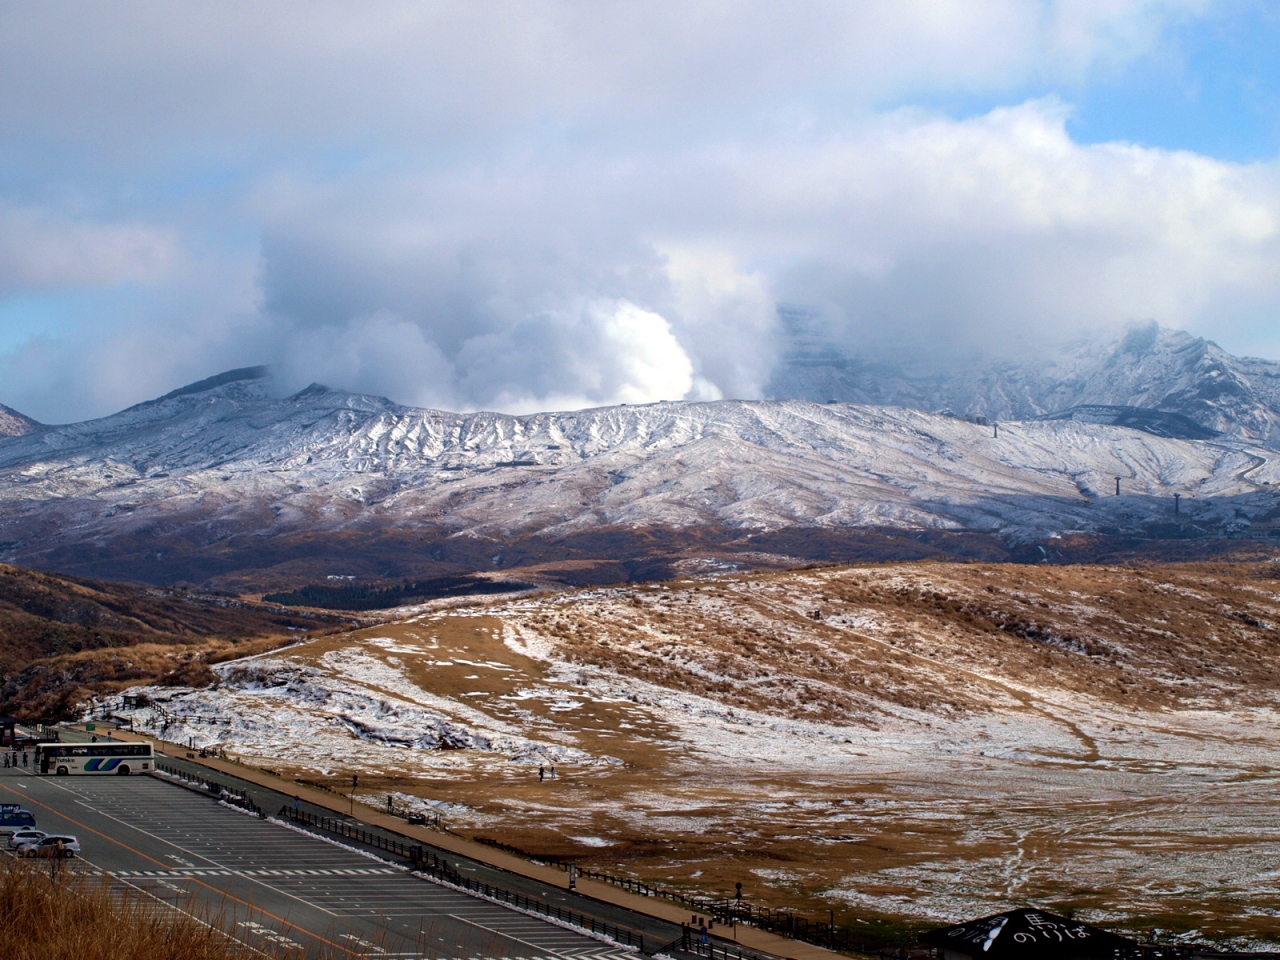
x: 272, y: 886
x: 654, y: 929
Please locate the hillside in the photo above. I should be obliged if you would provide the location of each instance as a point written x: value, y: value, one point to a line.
x: 225, y: 483
x: 14, y: 424
x: 897, y: 742
x: 1148, y: 367
x: 62, y: 639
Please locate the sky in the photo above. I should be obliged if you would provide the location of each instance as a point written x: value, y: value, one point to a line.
x: 545, y: 205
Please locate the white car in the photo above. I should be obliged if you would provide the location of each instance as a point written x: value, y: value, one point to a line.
x: 22, y: 837
x: 54, y: 845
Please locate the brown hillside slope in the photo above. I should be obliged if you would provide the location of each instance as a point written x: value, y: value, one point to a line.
x: 844, y: 644
x: 61, y: 638
x: 908, y: 742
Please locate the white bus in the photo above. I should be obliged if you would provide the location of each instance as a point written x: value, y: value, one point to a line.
x: 122, y: 759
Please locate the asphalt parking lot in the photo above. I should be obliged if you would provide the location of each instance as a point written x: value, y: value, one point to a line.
x: 269, y: 885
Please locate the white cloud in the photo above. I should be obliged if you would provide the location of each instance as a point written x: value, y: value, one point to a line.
x: 599, y: 353
x: 560, y: 203
x: 914, y: 232
x: 540, y: 281
x: 40, y: 249
x: 378, y: 354
x: 137, y: 77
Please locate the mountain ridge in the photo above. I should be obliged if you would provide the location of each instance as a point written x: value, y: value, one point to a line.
x: 237, y: 478
x: 15, y: 424
x: 1147, y: 366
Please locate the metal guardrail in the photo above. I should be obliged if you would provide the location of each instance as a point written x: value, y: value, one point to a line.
x: 728, y: 910
x: 432, y: 865
x: 690, y: 942
x: 237, y: 798
x: 725, y: 912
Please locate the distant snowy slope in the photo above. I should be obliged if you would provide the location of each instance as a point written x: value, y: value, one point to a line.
x: 14, y: 424
x: 230, y: 457
x: 1148, y: 367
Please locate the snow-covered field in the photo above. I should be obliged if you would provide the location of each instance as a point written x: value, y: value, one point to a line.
x: 865, y: 739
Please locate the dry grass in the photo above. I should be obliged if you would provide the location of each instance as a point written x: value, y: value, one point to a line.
x: 907, y: 742
x: 62, y: 639
x: 61, y: 915
x: 840, y: 644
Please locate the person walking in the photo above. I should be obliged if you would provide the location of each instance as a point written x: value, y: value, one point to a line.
x: 542, y: 774
x: 704, y: 941
x: 297, y: 803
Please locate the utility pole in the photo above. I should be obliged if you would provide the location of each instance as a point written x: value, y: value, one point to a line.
x: 1177, y: 497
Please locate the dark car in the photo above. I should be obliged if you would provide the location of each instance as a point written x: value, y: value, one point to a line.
x: 13, y: 819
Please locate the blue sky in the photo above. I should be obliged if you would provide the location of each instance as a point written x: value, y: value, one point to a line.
x: 1210, y: 85
x: 557, y: 203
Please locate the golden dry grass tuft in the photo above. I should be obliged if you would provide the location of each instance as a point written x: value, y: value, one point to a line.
x: 61, y: 915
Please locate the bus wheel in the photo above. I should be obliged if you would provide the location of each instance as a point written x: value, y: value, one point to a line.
x: 123, y: 770
x: 62, y: 771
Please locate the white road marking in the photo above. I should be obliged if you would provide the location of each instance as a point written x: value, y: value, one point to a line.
x: 176, y: 846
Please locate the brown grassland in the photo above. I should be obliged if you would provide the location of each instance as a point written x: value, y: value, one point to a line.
x: 899, y: 743
x: 63, y: 639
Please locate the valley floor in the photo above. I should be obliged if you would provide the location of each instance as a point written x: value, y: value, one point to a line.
x: 916, y: 743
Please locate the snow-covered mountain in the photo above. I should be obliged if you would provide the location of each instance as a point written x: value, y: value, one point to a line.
x: 224, y: 460
x: 14, y: 424
x: 1148, y: 367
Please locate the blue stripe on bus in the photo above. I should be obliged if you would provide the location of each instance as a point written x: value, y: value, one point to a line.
x: 102, y: 764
